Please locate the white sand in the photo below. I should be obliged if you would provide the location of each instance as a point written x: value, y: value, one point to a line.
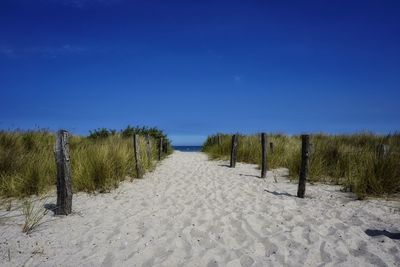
x: 195, y: 212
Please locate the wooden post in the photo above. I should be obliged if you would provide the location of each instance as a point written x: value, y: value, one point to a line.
x: 160, y: 146
x: 219, y: 140
x: 136, y: 151
x: 148, y: 149
x: 165, y: 147
x: 64, y: 187
x: 305, y: 156
x: 382, y: 151
x: 233, y: 151
x: 264, y: 163
x: 271, y: 147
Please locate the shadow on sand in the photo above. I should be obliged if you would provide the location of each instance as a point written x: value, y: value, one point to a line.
x: 279, y: 194
x: 50, y: 207
x: 225, y: 165
x: 250, y: 175
x: 372, y: 232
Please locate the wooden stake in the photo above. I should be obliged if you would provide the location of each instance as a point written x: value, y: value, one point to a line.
x: 382, y: 151
x: 305, y: 156
x: 64, y: 186
x: 165, y: 147
x: 264, y: 163
x: 233, y: 151
x: 148, y: 149
x: 160, y: 146
x: 136, y: 151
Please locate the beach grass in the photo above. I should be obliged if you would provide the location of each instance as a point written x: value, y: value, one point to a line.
x: 352, y: 161
x: 33, y: 214
x: 27, y: 163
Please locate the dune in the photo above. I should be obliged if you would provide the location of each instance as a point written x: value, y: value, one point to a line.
x: 191, y: 211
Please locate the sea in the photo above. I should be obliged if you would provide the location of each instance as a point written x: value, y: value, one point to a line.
x: 188, y: 148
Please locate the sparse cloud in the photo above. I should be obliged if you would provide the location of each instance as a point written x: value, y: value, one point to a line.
x: 84, y: 3
x: 7, y: 51
x: 237, y: 78
x: 45, y: 51
x: 56, y: 51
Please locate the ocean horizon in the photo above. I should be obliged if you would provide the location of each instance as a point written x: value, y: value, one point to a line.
x: 188, y: 148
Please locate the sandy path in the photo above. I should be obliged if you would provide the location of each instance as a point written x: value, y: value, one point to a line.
x: 195, y: 212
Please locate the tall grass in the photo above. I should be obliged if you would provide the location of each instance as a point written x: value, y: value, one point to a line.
x: 348, y: 160
x: 27, y: 164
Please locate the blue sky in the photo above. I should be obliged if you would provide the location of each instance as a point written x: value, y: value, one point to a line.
x: 194, y: 68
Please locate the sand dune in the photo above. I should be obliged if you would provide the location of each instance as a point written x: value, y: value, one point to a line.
x: 194, y: 212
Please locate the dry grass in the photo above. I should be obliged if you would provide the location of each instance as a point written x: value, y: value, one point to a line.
x: 27, y: 164
x: 349, y: 160
x: 33, y: 212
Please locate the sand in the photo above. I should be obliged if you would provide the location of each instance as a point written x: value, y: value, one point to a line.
x: 194, y: 212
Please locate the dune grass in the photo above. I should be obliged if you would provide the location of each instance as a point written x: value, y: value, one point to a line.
x: 33, y: 214
x: 27, y: 163
x: 348, y: 160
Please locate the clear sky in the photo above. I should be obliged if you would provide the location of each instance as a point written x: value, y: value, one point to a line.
x: 194, y: 68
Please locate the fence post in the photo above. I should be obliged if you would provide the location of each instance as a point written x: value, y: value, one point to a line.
x: 233, y: 151
x: 64, y: 188
x: 264, y: 163
x: 160, y: 146
x: 219, y: 140
x: 271, y: 147
x: 148, y: 149
x: 305, y: 155
x: 136, y: 151
x: 382, y: 151
x: 165, y: 147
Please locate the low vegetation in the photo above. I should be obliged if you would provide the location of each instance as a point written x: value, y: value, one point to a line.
x: 352, y: 161
x: 99, y: 162
x: 33, y: 214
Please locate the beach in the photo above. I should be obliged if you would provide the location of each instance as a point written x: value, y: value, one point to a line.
x: 191, y: 211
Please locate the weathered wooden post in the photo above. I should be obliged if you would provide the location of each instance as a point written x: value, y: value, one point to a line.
x: 233, y: 151
x: 160, y: 146
x: 305, y: 157
x: 136, y: 151
x: 64, y: 184
x: 165, y: 147
x: 264, y: 163
x: 219, y: 139
x: 271, y: 147
x: 148, y: 149
x: 382, y: 151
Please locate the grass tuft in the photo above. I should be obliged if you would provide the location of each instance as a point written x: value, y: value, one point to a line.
x: 33, y: 214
